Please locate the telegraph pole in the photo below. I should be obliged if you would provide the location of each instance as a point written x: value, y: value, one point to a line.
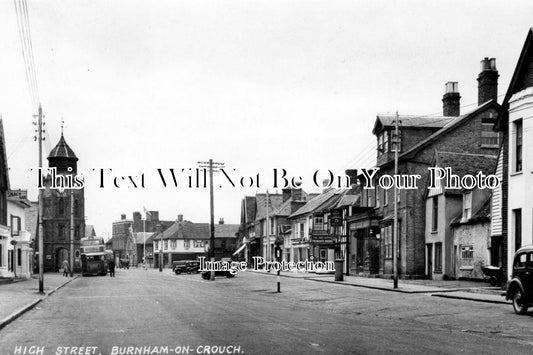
x: 395, y: 227
x: 211, y: 210
x: 40, y: 200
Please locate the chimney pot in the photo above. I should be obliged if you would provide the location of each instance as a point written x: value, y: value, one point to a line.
x: 451, y: 101
x: 221, y: 221
x: 488, y: 81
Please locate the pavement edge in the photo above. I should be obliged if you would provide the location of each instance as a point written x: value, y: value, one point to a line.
x: 32, y: 304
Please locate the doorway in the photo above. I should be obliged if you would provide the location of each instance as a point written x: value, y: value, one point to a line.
x: 61, y: 255
x: 429, y: 261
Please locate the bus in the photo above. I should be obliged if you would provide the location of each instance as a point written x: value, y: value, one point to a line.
x: 94, y: 257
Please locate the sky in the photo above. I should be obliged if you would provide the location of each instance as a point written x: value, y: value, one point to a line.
x: 256, y: 85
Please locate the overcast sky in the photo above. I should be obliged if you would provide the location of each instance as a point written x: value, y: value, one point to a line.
x: 257, y: 85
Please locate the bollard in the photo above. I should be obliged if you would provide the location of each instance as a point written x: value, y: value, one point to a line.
x: 339, y: 264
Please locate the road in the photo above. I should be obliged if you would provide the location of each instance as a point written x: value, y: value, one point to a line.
x: 142, y: 311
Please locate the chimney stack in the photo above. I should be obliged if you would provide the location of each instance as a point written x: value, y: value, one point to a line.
x: 487, y: 81
x: 180, y: 218
x: 221, y: 221
x: 122, y: 217
x: 296, y: 194
x: 451, y: 101
x: 286, y: 193
x: 352, y: 174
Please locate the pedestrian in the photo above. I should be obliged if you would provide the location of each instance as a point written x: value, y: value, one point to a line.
x: 66, y: 268
x: 111, y: 268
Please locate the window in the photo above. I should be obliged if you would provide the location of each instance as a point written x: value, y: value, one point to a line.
x: 61, y: 231
x: 489, y: 138
x: 302, y: 232
x: 173, y: 243
x: 518, y: 145
x: 380, y: 144
x: 385, y: 197
x: 438, y: 257
x: 19, y: 257
x: 187, y: 244
x: 377, y: 197
x: 156, y: 245
x: 319, y: 223
x: 77, y: 207
x: 165, y: 244
x: 61, y: 207
x: 15, y: 225
x: 396, y: 140
x: 467, y: 252
x: 520, y: 261
x: 517, y: 228
x: 435, y: 213
x: 467, y: 206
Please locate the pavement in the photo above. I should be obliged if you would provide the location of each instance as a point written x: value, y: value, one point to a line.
x: 18, y: 297
x: 456, y: 289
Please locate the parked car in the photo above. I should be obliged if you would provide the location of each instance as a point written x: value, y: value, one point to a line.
x: 520, y: 288
x: 206, y: 275
x: 185, y: 266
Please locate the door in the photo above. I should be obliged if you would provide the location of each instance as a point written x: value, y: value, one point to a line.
x: 429, y: 261
x: 61, y: 254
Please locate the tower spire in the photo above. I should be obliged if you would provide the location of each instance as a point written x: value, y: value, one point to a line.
x: 62, y: 125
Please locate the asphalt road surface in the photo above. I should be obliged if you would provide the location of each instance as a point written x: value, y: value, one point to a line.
x: 147, y: 312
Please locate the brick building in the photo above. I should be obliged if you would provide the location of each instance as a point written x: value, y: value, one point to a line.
x: 125, y: 240
x: 419, y: 137
x: 57, y: 206
x: 185, y: 240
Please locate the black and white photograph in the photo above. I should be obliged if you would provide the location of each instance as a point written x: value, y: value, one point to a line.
x: 266, y: 177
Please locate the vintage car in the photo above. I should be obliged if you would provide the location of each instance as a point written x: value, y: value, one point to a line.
x: 206, y: 275
x: 520, y: 288
x: 185, y: 267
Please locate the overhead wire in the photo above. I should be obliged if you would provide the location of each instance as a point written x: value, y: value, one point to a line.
x: 372, y: 145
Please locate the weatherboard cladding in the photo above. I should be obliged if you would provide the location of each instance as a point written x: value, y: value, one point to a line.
x: 496, y: 220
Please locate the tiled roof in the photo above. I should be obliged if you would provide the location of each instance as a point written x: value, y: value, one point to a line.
x: 483, y: 214
x: 320, y: 203
x: 62, y: 150
x: 190, y: 230
x: 412, y: 121
x: 463, y: 164
x: 276, y: 200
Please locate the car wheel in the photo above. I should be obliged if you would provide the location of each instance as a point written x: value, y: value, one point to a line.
x: 519, y: 305
x: 177, y: 272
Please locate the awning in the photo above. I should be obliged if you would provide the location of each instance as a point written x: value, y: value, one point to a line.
x: 240, y: 249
